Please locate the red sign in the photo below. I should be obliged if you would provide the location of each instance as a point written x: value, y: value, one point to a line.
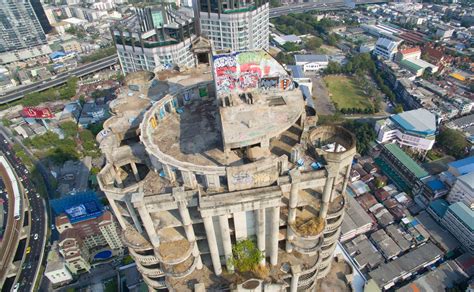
x: 37, y: 113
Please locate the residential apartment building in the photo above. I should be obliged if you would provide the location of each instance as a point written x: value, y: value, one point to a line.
x: 415, y: 129
x: 210, y: 172
x: 459, y: 220
x: 156, y: 38
x: 234, y: 25
x: 56, y: 270
x: 463, y: 190
x: 85, y: 229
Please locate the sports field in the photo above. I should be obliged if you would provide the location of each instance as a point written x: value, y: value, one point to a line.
x: 344, y: 92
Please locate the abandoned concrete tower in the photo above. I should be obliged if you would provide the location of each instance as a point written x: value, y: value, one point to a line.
x: 202, y: 159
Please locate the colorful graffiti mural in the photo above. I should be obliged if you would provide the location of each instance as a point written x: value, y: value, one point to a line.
x: 248, y: 70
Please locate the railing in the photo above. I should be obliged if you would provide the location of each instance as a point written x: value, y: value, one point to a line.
x: 145, y: 259
x: 185, y: 273
x: 150, y: 272
x: 331, y: 226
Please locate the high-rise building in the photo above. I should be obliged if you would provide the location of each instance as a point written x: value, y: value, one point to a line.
x: 156, y: 38
x: 234, y: 24
x: 41, y: 15
x: 200, y: 160
x: 19, y: 26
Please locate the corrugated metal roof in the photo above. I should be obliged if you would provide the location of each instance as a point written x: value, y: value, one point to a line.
x: 311, y: 58
x: 468, y: 179
x: 406, y: 160
x: 439, y: 206
x: 464, y: 214
x: 463, y: 166
x: 419, y: 121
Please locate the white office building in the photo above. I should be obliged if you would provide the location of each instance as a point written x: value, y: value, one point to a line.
x: 459, y: 220
x: 386, y: 48
x: 415, y: 129
x: 312, y: 63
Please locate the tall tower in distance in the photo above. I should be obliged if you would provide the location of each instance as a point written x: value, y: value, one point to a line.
x: 202, y: 161
x: 237, y: 25
x: 41, y: 15
x: 19, y: 26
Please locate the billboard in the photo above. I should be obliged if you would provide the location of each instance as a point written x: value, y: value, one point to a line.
x: 37, y: 113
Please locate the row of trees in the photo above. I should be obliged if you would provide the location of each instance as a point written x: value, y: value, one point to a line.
x: 75, y: 143
x: 99, y: 54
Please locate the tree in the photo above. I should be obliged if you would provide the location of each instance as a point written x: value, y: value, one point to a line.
x: 453, y: 142
x: 364, y: 133
x: 398, y: 108
x: 291, y: 47
x: 245, y: 256
x: 313, y: 43
x: 69, y: 129
x: 332, y: 39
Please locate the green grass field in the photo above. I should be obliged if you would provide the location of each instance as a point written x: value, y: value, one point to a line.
x: 346, y: 93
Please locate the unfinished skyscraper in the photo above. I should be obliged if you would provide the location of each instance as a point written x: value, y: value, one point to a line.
x: 200, y: 160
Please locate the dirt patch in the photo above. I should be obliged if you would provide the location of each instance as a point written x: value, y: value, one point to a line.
x: 173, y: 249
x: 309, y: 227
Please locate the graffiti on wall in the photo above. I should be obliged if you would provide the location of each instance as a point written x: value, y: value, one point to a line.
x: 248, y: 70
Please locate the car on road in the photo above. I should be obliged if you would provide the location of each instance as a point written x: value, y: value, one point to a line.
x: 38, y: 195
x: 15, y: 288
x: 28, y: 249
x: 35, y: 237
x: 52, y: 227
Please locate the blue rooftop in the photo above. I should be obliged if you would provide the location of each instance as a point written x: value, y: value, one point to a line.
x: 463, y: 166
x: 439, y: 206
x: 78, y: 207
x: 436, y: 185
x: 56, y: 54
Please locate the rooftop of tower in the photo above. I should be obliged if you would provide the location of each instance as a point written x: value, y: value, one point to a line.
x: 256, y: 101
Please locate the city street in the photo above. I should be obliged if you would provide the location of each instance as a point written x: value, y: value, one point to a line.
x: 32, y: 260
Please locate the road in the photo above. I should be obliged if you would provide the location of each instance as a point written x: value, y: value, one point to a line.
x: 38, y: 222
x: 11, y: 235
x: 59, y: 79
x: 326, y: 5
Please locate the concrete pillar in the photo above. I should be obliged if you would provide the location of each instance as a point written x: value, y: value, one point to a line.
x: 226, y: 242
x: 117, y: 213
x: 133, y: 214
x: 326, y: 197
x: 169, y: 172
x: 240, y: 225
x: 118, y: 179
x: 293, y: 203
x: 296, y: 271
x: 135, y: 171
x: 189, y: 179
x: 211, y: 240
x: 275, y: 231
x: 148, y: 223
x: 212, y: 181
x: 265, y: 144
x: 188, y: 229
x: 260, y: 228
x: 346, y: 179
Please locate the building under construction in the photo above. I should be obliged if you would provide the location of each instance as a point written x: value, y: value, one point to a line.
x: 197, y: 161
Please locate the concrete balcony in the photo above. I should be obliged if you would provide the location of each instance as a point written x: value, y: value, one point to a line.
x: 150, y: 272
x: 333, y: 224
x: 328, y: 250
x: 154, y: 284
x: 323, y: 272
x: 337, y: 207
x: 306, y: 247
x: 175, y: 252
x: 144, y: 259
x: 308, y: 279
x: 331, y: 238
x: 135, y: 241
x: 183, y: 269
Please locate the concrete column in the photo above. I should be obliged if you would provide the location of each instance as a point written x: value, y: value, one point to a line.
x: 260, y: 228
x: 148, y: 223
x: 118, y: 179
x: 211, y: 239
x: 212, y: 181
x: 265, y: 144
x: 117, y: 213
x: 240, y: 225
x: 188, y: 229
x: 274, y: 235
x: 226, y: 242
x: 133, y: 214
x: 135, y: 171
x: 189, y: 179
x: 346, y: 179
x: 296, y: 271
x: 170, y: 174
x: 293, y: 203
x: 326, y: 197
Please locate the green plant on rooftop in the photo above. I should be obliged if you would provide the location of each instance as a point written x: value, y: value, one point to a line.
x: 245, y: 256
